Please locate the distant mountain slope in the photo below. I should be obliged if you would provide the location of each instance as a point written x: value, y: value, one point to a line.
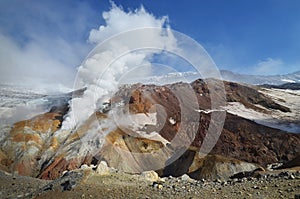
x: 191, y: 76
x: 291, y: 86
x: 261, y: 79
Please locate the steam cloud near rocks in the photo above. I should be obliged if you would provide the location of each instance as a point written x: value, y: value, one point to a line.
x: 102, y: 70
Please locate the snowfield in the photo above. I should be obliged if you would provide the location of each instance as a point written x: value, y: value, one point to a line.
x: 20, y: 103
x: 289, y: 121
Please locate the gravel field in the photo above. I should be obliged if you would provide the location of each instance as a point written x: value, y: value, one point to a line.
x: 282, y: 184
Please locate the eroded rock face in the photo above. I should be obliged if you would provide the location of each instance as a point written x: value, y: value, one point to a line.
x: 210, y: 167
x: 38, y: 147
x: 133, y: 154
x: 26, y: 141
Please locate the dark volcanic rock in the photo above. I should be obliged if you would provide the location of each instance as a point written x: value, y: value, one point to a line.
x: 290, y: 164
x: 252, y: 142
x: 250, y: 97
x: 235, y: 92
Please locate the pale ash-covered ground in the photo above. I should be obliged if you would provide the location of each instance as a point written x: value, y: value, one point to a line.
x: 289, y: 121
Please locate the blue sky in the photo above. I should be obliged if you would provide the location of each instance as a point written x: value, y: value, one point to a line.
x: 253, y: 37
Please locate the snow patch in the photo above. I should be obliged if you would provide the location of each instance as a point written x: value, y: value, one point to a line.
x: 207, y: 111
x: 287, y: 121
x: 172, y: 121
x: 288, y: 80
x: 135, y: 122
x: 153, y: 136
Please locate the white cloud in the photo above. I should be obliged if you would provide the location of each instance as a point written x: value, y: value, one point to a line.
x: 42, y: 43
x: 31, y: 65
x: 117, y: 21
x: 269, y: 66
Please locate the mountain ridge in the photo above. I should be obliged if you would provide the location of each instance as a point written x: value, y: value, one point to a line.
x: 38, y: 147
x: 261, y: 79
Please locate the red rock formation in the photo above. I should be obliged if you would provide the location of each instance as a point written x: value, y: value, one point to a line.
x: 61, y: 164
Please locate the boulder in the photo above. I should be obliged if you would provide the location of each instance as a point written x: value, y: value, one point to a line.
x: 150, y: 176
x: 218, y: 167
x: 102, y: 168
x: 210, y: 167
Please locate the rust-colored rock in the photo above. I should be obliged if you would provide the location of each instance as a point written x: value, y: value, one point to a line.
x: 127, y: 153
x: 42, y: 123
x: 61, y: 164
x: 26, y: 138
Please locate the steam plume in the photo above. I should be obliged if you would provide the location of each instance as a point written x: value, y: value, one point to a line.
x: 98, y: 74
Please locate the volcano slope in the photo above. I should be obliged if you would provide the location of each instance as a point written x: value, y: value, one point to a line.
x: 39, y: 148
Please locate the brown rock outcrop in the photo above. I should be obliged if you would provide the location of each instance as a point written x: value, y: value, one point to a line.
x: 206, y: 167
x: 240, y: 138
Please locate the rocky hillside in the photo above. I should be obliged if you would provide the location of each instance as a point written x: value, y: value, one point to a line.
x: 146, y: 133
